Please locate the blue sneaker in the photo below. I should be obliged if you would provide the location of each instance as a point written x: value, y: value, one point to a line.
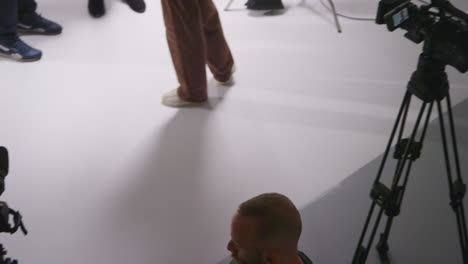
x: 36, y: 24
x: 18, y: 50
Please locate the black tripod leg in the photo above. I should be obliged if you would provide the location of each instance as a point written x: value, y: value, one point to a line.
x: 360, y: 255
x: 458, y: 170
x: 382, y: 246
x: 403, y: 113
x: 457, y: 189
x: 400, y: 137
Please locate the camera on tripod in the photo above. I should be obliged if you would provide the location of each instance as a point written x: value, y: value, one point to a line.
x: 10, y: 220
x: 443, y: 27
x: 444, y: 30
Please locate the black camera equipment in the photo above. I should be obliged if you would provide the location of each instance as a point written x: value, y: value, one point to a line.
x: 444, y: 31
x: 264, y: 4
x: 10, y: 220
x: 271, y: 5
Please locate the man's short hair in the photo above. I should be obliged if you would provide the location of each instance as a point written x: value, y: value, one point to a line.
x: 277, y: 218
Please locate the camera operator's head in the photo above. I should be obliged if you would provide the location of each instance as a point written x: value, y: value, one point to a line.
x: 266, y: 230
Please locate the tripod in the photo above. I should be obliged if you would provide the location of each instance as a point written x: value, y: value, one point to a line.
x: 430, y: 84
x: 332, y: 6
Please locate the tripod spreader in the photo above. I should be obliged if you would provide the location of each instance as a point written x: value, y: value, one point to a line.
x: 414, y: 149
x: 387, y: 198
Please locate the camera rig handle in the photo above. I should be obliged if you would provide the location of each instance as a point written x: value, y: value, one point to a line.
x: 448, y: 7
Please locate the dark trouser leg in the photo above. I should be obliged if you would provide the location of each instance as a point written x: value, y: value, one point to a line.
x: 26, y: 7
x: 8, y: 18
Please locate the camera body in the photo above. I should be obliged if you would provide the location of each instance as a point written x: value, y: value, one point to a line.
x: 442, y: 27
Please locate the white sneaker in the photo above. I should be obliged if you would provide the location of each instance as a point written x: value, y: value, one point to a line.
x: 230, y: 81
x: 172, y: 99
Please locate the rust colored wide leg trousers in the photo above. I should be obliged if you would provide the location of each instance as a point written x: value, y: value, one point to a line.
x: 195, y: 37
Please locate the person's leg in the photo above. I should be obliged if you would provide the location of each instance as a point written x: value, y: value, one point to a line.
x: 8, y: 18
x: 26, y: 7
x: 185, y: 36
x: 31, y: 22
x: 96, y: 8
x: 10, y: 45
x: 138, y: 6
x: 218, y: 54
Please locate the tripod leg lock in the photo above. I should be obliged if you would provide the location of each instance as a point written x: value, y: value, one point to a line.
x: 388, y: 199
x: 458, y: 194
x: 414, y: 150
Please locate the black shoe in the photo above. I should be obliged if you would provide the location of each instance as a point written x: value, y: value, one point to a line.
x: 36, y: 24
x: 96, y: 8
x: 138, y: 6
x: 14, y: 48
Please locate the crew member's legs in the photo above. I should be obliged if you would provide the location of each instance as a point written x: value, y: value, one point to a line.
x: 8, y: 18
x: 218, y: 54
x: 185, y: 36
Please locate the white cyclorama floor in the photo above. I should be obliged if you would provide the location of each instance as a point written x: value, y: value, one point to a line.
x: 103, y: 173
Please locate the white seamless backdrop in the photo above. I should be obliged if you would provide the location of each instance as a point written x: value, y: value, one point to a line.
x: 103, y: 173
